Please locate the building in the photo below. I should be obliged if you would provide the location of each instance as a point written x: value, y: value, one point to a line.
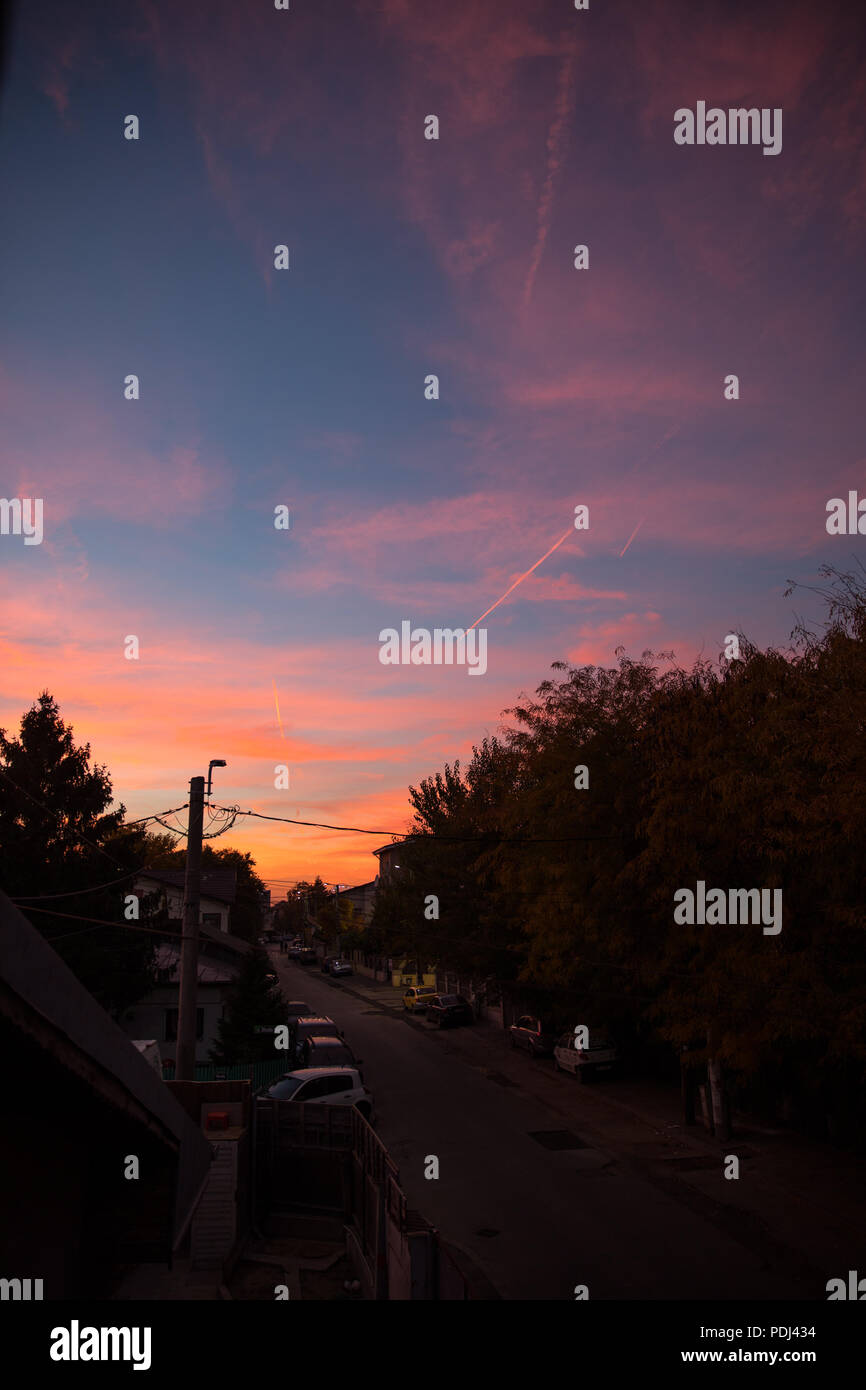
x: 220, y: 954
x: 389, y: 858
x: 155, y: 1016
x: 362, y: 899
x: 218, y: 893
x: 78, y: 1100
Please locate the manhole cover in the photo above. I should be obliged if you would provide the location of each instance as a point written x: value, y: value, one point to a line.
x: 556, y: 1139
x: 499, y: 1078
x: 487, y: 1231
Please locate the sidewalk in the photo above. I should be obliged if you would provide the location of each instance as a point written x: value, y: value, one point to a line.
x: 795, y: 1198
x: 389, y: 996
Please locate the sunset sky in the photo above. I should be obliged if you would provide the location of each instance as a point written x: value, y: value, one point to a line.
x: 305, y: 387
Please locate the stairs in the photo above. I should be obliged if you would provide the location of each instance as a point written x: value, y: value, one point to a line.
x: 214, y: 1226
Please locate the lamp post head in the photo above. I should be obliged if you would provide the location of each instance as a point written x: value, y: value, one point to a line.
x: 214, y: 762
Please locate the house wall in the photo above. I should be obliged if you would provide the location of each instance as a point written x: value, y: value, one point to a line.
x: 174, y: 902
x: 147, y: 1019
x: 362, y: 899
x: 406, y: 973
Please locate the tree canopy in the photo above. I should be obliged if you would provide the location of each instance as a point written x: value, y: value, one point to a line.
x: 746, y: 773
x: 58, y: 839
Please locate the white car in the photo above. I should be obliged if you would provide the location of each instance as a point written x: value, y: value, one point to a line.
x: 585, y: 1062
x: 325, y: 1086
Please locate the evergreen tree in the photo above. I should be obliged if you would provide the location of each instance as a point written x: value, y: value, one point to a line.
x: 57, y: 837
x: 253, y: 1001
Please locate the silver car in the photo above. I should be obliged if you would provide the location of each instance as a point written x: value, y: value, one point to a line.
x: 325, y: 1086
x: 599, y: 1056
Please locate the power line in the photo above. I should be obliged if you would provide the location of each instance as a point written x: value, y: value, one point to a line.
x: 142, y: 820
x: 421, y: 839
x: 100, y: 922
x: 77, y: 893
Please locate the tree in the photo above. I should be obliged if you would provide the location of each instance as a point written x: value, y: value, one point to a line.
x: 252, y: 1002
x: 746, y: 774
x: 465, y: 807
x: 57, y: 840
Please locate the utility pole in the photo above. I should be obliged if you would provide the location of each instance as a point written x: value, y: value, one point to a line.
x: 188, y: 992
x: 184, y: 1069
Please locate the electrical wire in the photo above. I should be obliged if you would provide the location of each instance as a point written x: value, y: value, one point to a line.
x: 452, y: 839
x: 100, y: 922
x: 77, y: 893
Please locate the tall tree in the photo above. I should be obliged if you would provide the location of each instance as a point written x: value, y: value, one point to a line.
x: 58, y: 839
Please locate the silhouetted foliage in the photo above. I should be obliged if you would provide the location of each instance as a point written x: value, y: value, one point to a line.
x: 57, y: 837
x: 746, y: 774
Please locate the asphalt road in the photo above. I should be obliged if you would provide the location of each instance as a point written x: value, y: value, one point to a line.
x: 538, y: 1221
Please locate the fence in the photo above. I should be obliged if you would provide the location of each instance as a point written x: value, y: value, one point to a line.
x: 322, y: 1158
x: 259, y: 1074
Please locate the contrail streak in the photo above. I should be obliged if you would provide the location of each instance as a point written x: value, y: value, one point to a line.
x: 632, y: 536
x: 557, y: 138
x: 277, y: 703
x: 521, y: 579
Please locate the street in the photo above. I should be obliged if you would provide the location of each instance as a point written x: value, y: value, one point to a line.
x: 538, y: 1220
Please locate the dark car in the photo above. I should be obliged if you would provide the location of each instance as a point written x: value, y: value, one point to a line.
x: 318, y: 1051
x: 312, y: 1026
x: 294, y: 952
x: 297, y: 1009
x: 447, y: 1010
x: 529, y: 1032
x: 327, y: 963
x: 341, y: 967
x: 307, y: 956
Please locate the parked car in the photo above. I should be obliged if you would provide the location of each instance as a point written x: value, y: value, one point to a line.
x: 307, y: 956
x: 447, y: 1010
x: 528, y: 1032
x: 312, y: 1026
x: 294, y: 951
x: 341, y: 967
x: 600, y: 1056
x: 297, y: 1009
x: 417, y: 997
x: 327, y: 963
x: 327, y: 1051
x: 325, y: 1086
x: 272, y: 978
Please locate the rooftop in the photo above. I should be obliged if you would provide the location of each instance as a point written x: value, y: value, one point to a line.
x: 220, y: 883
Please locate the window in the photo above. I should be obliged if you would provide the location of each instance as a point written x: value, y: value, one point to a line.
x: 171, y: 1025
x: 314, y: 1090
x: 336, y: 1084
x: 285, y: 1089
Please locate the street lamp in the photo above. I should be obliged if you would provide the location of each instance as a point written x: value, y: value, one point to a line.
x: 214, y: 762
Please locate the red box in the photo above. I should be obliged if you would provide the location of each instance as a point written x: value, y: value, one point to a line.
x: 217, y: 1119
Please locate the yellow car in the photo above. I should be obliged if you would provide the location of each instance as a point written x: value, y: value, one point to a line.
x: 418, y: 997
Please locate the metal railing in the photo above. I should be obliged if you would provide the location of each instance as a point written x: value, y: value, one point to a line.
x: 259, y: 1074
